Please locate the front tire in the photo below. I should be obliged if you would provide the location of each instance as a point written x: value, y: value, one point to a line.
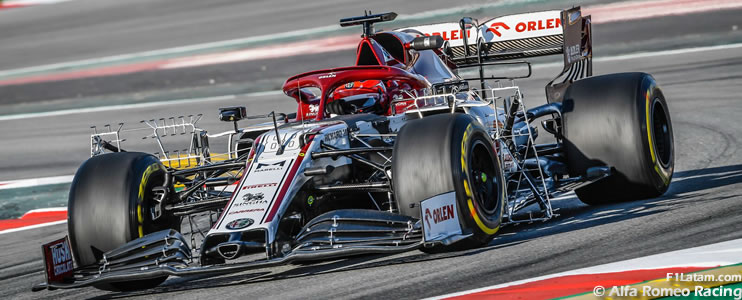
x: 620, y: 120
x: 108, y: 206
x: 450, y: 152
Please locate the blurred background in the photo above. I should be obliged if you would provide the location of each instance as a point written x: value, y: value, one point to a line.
x: 67, y: 65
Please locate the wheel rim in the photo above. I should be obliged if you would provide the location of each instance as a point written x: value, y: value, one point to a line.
x: 661, y: 136
x: 483, y: 178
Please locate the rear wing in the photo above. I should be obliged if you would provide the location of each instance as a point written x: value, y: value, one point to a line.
x: 519, y: 36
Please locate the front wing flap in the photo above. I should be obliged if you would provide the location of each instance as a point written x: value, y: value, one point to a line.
x: 336, y: 234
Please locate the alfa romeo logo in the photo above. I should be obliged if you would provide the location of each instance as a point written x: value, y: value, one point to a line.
x: 240, y: 223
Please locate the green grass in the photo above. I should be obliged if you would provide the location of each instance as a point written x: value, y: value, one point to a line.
x: 15, y: 202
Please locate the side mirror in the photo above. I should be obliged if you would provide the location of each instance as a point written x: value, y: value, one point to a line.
x: 232, y: 114
x: 427, y: 42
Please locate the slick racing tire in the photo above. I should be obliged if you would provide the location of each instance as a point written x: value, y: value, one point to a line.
x: 622, y: 121
x: 109, y: 204
x: 444, y: 153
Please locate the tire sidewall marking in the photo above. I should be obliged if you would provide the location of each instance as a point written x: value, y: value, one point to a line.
x: 151, y: 169
x: 470, y: 204
x: 650, y: 98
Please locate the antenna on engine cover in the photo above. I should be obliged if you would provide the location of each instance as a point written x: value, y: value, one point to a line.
x: 367, y: 20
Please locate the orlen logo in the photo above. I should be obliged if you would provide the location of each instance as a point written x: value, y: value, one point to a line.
x: 452, y: 34
x: 498, y: 27
x: 440, y: 214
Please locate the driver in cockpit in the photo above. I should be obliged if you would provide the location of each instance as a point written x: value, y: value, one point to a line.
x: 368, y: 96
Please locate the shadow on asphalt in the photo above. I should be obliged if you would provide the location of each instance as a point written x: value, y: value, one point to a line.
x: 704, y: 179
x: 692, y: 185
x: 573, y: 215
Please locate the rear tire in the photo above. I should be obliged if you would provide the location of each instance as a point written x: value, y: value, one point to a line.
x: 108, y: 206
x: 619, y: 120
x: 427, y: 161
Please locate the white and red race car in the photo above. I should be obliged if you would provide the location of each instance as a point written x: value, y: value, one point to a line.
x: 396, y: 153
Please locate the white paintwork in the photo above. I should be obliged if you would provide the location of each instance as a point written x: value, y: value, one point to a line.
x: 440, y: 217
x: 266, y: 157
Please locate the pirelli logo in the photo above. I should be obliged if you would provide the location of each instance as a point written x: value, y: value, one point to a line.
x: 257, y: 186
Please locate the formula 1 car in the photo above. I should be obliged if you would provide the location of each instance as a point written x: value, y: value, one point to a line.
x: 396, y: 153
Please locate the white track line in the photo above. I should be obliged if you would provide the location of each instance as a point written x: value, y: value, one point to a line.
x: 43, y: 210
x: 32, y: 226
x: 611, y: 12
x: 622, y: 11
x: 38, y: 210
x: 275, y: 93
x: 168, y: 51
x: 269, y: 52
x: 31, y: 2
x: 638, y: 55
x: 329, y: 29
x: 713, y: 255
x: 112, y: 107
x: 133, y: 106
x: 23, y: 183
x: 633, y: 10
x: 668, y: 52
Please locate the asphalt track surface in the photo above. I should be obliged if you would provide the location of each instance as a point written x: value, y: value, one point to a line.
x: 701, y: 207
